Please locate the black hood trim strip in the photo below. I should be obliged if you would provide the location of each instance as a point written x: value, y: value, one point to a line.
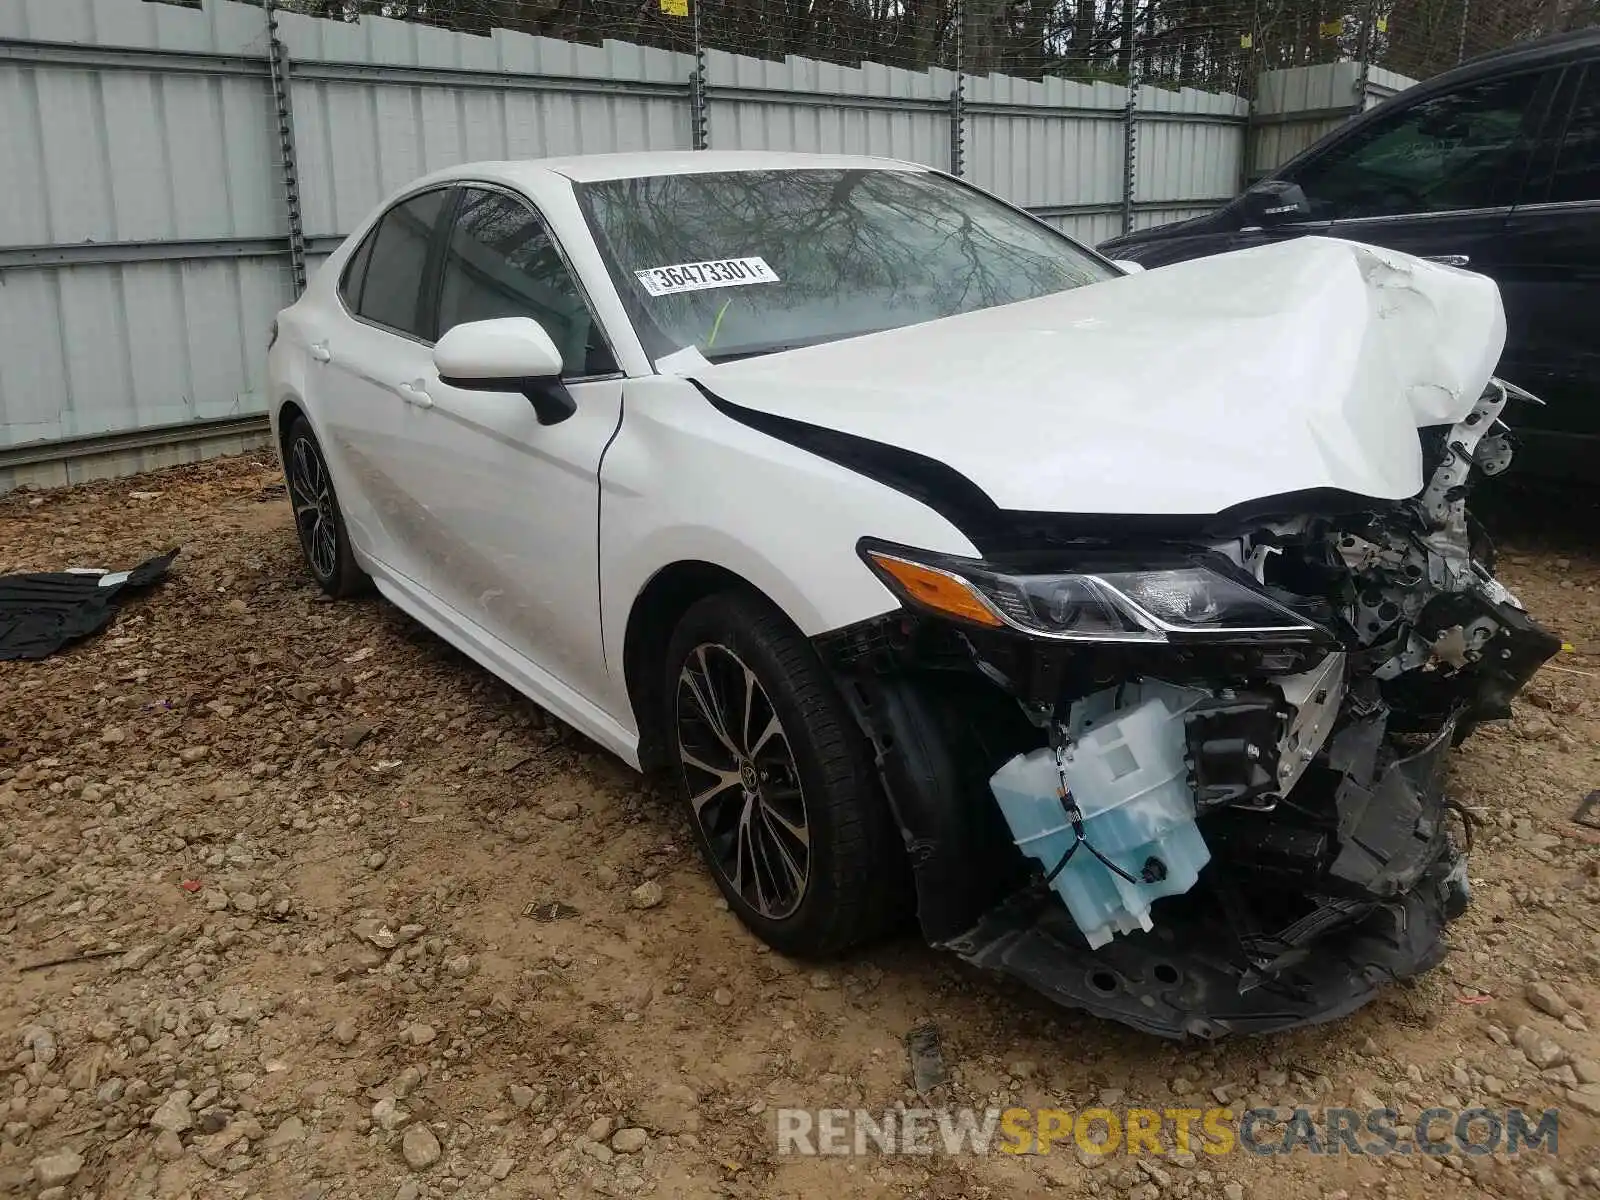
x: 996, y: 530
x: 938, y: 485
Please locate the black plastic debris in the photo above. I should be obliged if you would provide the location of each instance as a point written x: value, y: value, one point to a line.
x: 554, y: 910
x: 1588, y: 811
x: 927, y: 1059
x: 40, y: 613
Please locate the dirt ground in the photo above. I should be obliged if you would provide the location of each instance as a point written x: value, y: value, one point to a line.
x: 347, y: 918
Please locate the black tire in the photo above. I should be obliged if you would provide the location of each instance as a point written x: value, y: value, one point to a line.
x: 318, y: 519
x: 856, y: 884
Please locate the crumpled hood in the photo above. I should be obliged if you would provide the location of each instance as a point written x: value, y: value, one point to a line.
x: 1180, y: 391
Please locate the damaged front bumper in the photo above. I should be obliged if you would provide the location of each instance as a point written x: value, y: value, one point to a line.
x: 1216, y: 966
x: 1204, y: 796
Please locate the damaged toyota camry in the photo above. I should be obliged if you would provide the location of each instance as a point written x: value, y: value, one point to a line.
x: 1116, y: 626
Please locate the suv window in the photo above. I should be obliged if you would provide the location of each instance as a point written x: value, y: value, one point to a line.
x: 1457, y: 150
x: 502, y: 262
x: 384, y: 284
x: 1577, y: 175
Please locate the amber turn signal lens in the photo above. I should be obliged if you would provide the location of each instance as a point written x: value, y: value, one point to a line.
x: 936, y: 589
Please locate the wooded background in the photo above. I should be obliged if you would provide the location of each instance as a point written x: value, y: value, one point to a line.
x: 1219, y: 45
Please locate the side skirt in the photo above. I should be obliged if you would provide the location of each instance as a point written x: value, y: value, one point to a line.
x: 498, y: 658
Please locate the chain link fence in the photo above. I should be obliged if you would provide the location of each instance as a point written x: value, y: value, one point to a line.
x: 1216, y: 45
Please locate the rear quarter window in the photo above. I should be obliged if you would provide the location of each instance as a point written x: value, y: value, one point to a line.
x: 355, y: 273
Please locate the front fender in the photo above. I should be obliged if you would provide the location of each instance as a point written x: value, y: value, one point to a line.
x: 684, y: 483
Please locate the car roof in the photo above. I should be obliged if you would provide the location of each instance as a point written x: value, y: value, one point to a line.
x: 587, y: 168
x: 591, y: 168
x: 1551, y: 48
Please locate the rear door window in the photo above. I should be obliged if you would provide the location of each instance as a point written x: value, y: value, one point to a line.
x: 389, y: 291
x: 1463, y: 149
x: 1577, y: 172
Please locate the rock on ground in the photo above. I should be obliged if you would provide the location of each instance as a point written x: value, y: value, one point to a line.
x: 420, y: 1147
x: 57, y: 1168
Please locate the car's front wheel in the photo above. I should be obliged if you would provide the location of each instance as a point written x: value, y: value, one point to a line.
x: 318, y: 521
x: 779, y: 787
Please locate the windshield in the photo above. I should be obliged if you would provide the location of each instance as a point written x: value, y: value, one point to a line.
x: 739, y: 263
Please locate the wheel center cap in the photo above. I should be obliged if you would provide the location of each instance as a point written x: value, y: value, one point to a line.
x: 748, y: 777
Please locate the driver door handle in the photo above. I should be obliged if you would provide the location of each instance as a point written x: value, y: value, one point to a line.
x: 1450, y: 260
x: 320, y: 352
x: 412, y: 393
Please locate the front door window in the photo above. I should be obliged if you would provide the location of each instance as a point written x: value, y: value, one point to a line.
x: 1459, y: 150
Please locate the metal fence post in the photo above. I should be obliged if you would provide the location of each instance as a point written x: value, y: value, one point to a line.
x: 278, y: 62
x: 699, y: 123
x: 1250, y: 87
x: 1130, y: 128
x: 1366, y: 48
x: 958, y: 111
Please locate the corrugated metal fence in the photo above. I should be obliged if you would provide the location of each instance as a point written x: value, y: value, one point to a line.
x: 163, y: 179
x: 1295, y: 107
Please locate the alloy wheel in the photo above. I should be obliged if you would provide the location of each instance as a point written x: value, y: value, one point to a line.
x: 314, y: 514
x: 742, y: 781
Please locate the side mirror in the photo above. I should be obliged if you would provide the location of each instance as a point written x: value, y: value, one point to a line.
x: 1274, y: 202
x: 1128, y: 266
x: 508, y: 354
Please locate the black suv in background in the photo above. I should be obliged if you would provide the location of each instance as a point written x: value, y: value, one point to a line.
x: 1493, y: 166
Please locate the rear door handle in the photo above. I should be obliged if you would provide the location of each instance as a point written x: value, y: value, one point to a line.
x: 412, y: 394
x: 1449, y: 260
x: 320, y: 352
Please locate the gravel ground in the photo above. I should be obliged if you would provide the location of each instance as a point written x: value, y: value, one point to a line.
x: 347, y: 918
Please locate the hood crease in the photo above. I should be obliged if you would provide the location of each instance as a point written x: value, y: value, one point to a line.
x: 1185, y: 390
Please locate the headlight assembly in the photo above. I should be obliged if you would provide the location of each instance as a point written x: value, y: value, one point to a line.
x: 1185, y: 603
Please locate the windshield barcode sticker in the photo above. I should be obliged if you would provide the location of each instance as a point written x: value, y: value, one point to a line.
x: 698, y: 276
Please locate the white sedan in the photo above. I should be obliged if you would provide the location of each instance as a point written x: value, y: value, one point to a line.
x: 1113, y: 624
